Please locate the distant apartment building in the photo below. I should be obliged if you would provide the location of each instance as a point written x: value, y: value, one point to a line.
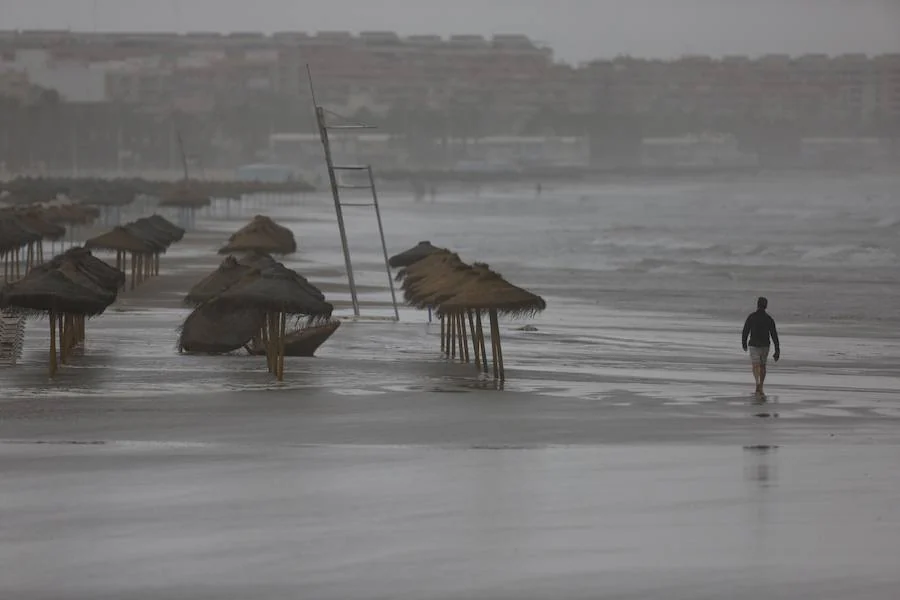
x: 510, y: 76
x: 76, y: 80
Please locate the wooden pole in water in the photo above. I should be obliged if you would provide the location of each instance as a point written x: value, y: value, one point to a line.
x: 268, y: 327
x: 53, y: 365
x: 62, y: 339
x: 484, y: 359
x: 474, y: 337
x: 463, y: 340
x: 157, y: 263
x: 263, y: 336
x: 442, y: 334
x: 498, y: 356
x: 281, y: 348
x: 273, y: 344
x: 451, y: 324
x: 493, y: 344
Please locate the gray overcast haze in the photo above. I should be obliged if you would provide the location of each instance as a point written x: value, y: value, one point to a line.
x: 577, y: 29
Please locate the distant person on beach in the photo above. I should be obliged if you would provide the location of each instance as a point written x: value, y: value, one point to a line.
x: 760, y: 328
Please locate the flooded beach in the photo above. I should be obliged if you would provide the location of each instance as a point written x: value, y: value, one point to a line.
x: 625, y: 455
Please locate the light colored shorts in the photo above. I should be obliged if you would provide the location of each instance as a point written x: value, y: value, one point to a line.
x: 759, y: 355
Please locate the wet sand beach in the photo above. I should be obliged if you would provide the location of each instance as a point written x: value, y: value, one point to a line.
x: 624, y: 457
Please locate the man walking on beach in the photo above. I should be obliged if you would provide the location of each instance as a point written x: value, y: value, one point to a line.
x: 760, y: 327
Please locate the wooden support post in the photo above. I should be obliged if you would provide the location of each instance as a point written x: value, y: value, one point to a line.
x: 281, y: 349
x: 157, y: 263
x: 53, y: 364
x: 463, y: 340
x: 264, y: 337
x: 474, y: 338
x: 498, y: 355
x: 18, y: 260
x: 133, y: 264
x: 484, y: 359
x: 62, y: 339
x: 443, y: 344
x: 451, y: 324
x: 493, y: 345
x: 272, y: 350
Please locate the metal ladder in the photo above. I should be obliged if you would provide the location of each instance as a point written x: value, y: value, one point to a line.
x: 336, y: 186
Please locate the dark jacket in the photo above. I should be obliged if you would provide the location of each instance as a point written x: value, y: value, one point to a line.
x: 759, y: 326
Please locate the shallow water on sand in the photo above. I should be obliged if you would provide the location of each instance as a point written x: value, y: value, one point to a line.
x: 623, y: 457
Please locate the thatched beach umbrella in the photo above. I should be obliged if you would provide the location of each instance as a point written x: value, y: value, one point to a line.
x: 124, y: 241
x: 188, y: 196
x: 145, y: 239
x: 68, y: 290
x: 278, y: 292
x: 262, y: 234
x: 487, y: 292
x: 414, y: 254
x: 463, y: 292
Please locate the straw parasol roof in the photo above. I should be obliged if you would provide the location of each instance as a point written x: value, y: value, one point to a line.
x: 15, y: 234
x: 155, y: 239
x: 487, y: 290
x: 175, y: 232
x: 257, y: 260
x: 227, y: 274
x: 443, y: 280
x: 104, y: 275
x: 121, y: 239
x: 262, y: 234
x: 35, y: 220
x: 53, y: 290
x: 70, y: 214
x: 186, y: 194
x: 414, y: 254
x: 275, y: 289
x: 437, y: 286
x: 210, y: 331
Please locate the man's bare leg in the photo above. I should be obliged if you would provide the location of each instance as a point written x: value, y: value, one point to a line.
x: 757, y: 376
x: 762, y: 377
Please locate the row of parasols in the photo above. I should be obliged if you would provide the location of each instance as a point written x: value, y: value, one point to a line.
x: 74, y: 286
x: 25, y: 229
x: 119, y: 192
x: 437, y: 279
x: 142, y: 241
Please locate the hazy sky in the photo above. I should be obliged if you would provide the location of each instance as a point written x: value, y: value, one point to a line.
x: 576, y: 29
